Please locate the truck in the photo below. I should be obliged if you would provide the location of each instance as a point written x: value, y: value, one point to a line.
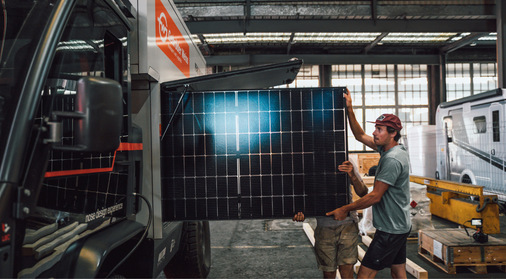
x: 470, y: 140
x: 80, y: 137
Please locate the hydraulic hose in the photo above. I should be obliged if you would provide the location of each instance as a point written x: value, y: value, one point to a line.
x: 485, y: 202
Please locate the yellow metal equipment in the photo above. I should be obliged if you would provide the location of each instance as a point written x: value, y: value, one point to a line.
x: 459, y: 203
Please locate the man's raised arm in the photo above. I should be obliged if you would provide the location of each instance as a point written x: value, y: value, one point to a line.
x: 358, y: 132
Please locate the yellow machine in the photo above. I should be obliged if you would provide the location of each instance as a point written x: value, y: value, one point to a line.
x: 460, y: 203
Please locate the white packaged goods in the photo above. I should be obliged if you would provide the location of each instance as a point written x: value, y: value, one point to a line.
x: 421, y: 143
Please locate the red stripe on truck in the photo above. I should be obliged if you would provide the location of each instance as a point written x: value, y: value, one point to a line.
x: 123, y: 146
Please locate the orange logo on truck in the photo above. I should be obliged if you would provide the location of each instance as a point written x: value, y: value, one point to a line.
x: 170, y: 40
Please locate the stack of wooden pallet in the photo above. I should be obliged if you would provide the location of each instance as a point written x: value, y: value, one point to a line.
x: 450, y: 249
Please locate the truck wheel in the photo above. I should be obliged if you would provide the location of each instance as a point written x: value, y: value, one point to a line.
x: 193, y: 260
x: 466, y: 179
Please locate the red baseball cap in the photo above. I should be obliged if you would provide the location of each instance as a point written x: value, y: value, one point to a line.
x: 389, y: 120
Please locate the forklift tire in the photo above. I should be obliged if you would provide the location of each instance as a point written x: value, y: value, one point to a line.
x: 193, y: 260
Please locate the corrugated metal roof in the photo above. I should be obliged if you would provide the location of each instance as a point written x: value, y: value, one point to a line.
x: 339, y: 27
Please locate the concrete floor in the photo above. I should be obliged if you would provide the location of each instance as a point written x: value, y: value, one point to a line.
x: 281, y: 249
x: 261, y: 249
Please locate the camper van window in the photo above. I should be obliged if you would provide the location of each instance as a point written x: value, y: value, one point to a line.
x: 480, y: 125
x: 495, y: 126
x: 449, y: 127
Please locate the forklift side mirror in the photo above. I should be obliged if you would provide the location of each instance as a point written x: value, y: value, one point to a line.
x: 97, y: 117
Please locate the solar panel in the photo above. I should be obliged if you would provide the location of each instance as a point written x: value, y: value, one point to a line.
x: 253, y: 154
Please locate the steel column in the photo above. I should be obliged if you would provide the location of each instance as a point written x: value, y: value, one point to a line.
x: 501, y: 44
x: 434, y: 91
x: 325, y: 75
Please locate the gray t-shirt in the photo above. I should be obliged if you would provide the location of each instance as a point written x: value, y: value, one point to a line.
x: 391, y: 214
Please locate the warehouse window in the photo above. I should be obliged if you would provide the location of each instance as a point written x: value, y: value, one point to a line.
x: 458, y: 81
x: 380, y: 85
x: 377, y: 89
x: 466, y: 79
x: 412, y: 84
x: 308, y: 76
x: 484, y: 77
x: 349, y: 76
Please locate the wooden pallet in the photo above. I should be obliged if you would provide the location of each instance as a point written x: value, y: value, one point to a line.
x: 450, y: 249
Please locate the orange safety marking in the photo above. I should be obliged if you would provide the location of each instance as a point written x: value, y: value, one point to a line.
x: 127, y: 146
x: 123, y: 146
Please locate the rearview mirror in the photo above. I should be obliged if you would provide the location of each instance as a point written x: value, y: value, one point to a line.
x: 97, y: 117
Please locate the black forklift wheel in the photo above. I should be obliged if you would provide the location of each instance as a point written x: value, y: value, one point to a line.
x: 193, y: 260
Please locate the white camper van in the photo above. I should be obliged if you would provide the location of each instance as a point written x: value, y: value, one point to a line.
x: 471, y: 141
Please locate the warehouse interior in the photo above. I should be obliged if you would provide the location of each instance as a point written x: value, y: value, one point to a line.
x: 400, y: 57
x: 385, y: 42
x: 178, y: 138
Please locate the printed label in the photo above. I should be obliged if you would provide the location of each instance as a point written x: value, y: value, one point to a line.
x: 103, y: 212
x: 438, y: 249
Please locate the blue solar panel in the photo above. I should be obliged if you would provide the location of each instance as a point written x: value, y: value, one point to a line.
x: 253, y: 154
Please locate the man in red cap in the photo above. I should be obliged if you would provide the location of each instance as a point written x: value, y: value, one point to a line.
x: 389, y: 198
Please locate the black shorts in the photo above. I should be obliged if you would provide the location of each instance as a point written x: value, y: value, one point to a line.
x: 385, y: 250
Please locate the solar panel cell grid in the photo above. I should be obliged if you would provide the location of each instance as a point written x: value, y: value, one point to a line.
x: 253, y: 154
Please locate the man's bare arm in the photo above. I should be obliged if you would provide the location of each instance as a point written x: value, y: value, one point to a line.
x: 357, y: 182
x: 373, y: 197
x: 358, y: 132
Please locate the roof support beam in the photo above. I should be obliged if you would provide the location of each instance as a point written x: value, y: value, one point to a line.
x: 374, y: 10
x: 247, y: 14
x: 320, y: 59
x: 375, y: 42
x: 204, y: 44
x: 290, y: 42
x: 462, y: 42
x: 347, y: 25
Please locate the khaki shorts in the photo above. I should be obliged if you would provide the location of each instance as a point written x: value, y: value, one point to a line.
x: 336, y: 246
